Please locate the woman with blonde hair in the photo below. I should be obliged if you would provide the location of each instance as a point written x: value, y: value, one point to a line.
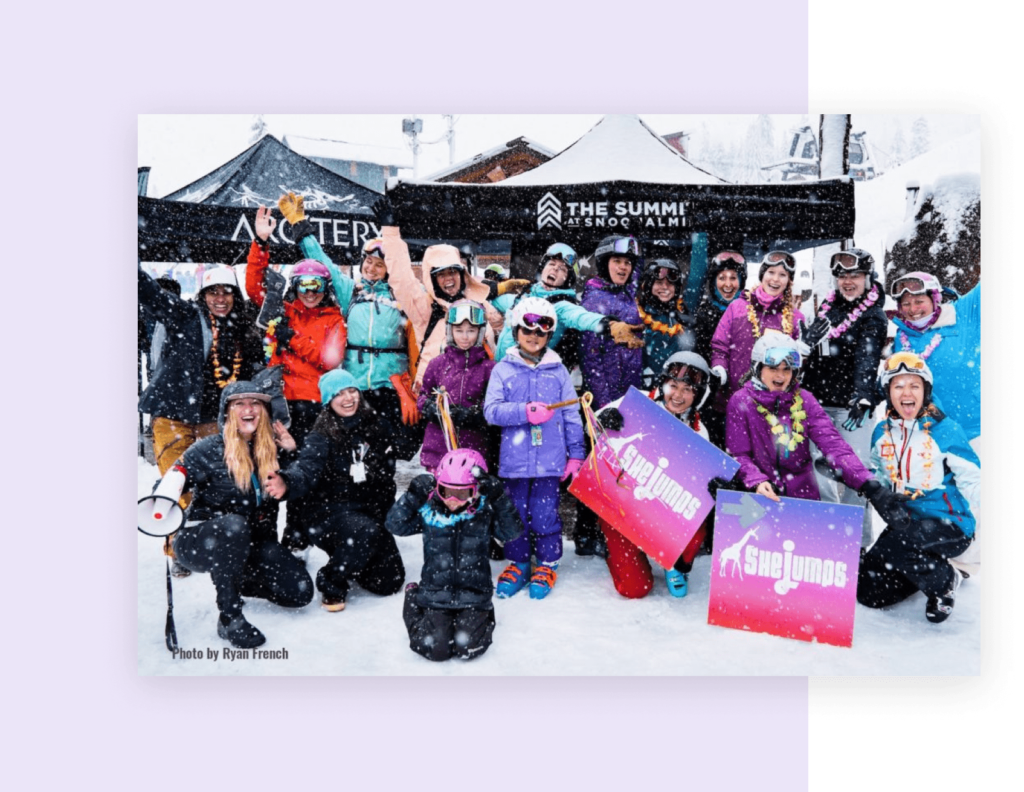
x: 231, y: 524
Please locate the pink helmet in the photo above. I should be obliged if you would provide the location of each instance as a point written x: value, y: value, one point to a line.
x: 456, y: 468
x: 310, y: 267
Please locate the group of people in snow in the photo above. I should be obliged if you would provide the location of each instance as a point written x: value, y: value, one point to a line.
x: 475, y: 375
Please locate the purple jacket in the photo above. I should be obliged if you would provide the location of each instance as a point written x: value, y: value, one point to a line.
x: 514, y: 383
x: 734, y: 339
x: 464, y: 376
x: 749, y: 440
x: 609, y: 368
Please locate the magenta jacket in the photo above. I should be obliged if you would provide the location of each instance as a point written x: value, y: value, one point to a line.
x: 749, y: 440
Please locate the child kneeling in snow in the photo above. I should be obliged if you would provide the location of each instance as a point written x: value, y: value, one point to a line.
x: 449, y: 612
x: 539, y: 445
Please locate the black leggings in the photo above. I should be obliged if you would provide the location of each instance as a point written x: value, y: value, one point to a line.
x: 903, y: 562
x: 439, y: 633
x: 359, y: 549
x: 240, y: 565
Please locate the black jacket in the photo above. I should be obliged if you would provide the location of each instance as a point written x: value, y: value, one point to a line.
x: 181, y: 387
x: 849, y: 373
x: 456, y: 566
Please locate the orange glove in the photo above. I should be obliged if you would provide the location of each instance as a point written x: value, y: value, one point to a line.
x: 623, y: 333
x: 403, y: 387
x: 291, y: 206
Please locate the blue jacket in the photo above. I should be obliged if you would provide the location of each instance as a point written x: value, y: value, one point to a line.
x: 377, y: 347
x: 956, y: 361
x: 935, y: 461
x: 571, y: 316
x: 513, y: 384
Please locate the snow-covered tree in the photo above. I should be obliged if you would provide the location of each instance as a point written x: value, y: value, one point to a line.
x: 920, y: 138
x: 758, y: 149
x: 898, y: 148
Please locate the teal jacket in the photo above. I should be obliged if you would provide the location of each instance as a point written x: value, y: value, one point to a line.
x: 377, y: 346
x: 571, y: 316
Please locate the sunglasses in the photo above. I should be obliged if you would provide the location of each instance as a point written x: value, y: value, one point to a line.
x: 687, y: 375
x: 777, y: 257
x: 474, y: 314
x: 312, y: 284
x: 538, y: 321
x: 729, y: 255
x: 776, y: 356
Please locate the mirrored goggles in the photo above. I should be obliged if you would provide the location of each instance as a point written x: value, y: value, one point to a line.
x: 623, y: 246
x: 905, y: 361
x: 311, y: 283
x: 777, y: 257
x: 534, y: 321
x: 910, y: 284
x: 687, y: 375
x: 563, y: 253
x: 776, y: 356
x: 474, y: 314
x: 729, y: 255
x: 671, y: 275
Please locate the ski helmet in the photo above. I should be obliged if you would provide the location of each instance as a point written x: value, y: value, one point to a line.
x: 440, y: 258
x: 219, y: 276
x: 727, y: 260
x: 496, y: 272
x: 616, y: 245
x: 692, y: 369
x: 851, y: 261
x: 309, y: 275
x: 917, y: 283
x: 774, y: 348
x: 905, y: 363
x: 774, y: 259
x: 533, y: 313
x: 651, y: 273
x: 567, y: 256
x: 465, y: 310
x: 374, y: 247
x: 458, y: 470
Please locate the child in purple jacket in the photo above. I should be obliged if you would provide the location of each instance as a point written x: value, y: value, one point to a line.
x: 462, y: 369
x: 539, y: 445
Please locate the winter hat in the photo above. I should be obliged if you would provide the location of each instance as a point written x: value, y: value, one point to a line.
x: 241, y: 389
x: 334, y: 382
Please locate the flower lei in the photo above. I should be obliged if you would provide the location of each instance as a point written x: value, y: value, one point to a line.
x: 927, y: 351
x: 796, y: 415
x: 217, y: 368
x: 657, y: 326
x: 270, y: 338
x: 853, y: 316
x: 787, y: 317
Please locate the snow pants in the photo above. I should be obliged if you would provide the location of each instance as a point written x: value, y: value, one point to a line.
x: 303, y: 415
x: 359, y: 549
x: 903, y: 562
x: 240, y: 565
x: 537, y: 502
x: 631, y: 571
x: 440, y: 634
x: 833, y: 491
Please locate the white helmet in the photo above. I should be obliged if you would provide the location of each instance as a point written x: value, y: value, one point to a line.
x: 904, y: 363
x: 533, y: 312
x: 219, y: 276
x: 768, y: 346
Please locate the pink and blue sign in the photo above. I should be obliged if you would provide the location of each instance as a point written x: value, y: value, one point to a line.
x: 649, y: 480
x: 786, y: 568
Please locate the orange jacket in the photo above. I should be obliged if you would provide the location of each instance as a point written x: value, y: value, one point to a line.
x: 319, y: 341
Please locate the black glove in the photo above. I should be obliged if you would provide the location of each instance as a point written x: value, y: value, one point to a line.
x: 611, y: 419
x: 273, y: 302
x: 859, y: 410
x: 889, y: 505
x: 384, y: 212
x: 817, y: 330
x: 467, y: 417
x: 422, y: 486
x: 491, y: 487
x: 429, y: 412
x: 718, y: 483
x: 283, y: 334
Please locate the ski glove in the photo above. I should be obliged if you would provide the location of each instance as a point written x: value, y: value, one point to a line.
x: 718, y: 483
x: 813, y: 333
x: 859, y: 410
x: 611, y: 419
x: 403, y: 387
x: 623, y: 333
x: 422, y: 486
x: 538, y: 413
x: 467, y: 417
x: 572, y: 467
x: 723, y: 376
x: 384, y: 212
x: 283, y: 334
x: 891, y: 506
x: 291, y: 207
x: 429, y: 412
x: 513, y: 285
x: 491, y: 487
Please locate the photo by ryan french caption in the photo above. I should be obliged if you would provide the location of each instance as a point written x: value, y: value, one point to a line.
x: 230, y: 654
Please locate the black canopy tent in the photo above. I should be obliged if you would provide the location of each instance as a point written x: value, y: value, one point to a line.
x: 211, y: 219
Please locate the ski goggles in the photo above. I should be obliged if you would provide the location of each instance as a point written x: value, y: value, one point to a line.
x: 375, y: 247
x: 310, y: 283
x: 474, y: 314
x: 623, y: 246
x: 907, y: 362
x: 777, y: 257
x: 666, y: 273
x: 728, y: 255
x: 454, y: 497
x: 532, y: 321
x: 844, y: 261
x: 687, y: 375
x: 564, y: 253
x: 913, y: 284
x: 776, y: 356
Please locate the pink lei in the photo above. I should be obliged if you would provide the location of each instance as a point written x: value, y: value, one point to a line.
x: 854, y: 315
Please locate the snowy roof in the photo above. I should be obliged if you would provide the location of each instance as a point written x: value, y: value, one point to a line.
x: 617, y: 148
x: 349, y: 152
x: 523, y: 142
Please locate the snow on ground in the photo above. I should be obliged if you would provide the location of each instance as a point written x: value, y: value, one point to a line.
x: 583, y: 628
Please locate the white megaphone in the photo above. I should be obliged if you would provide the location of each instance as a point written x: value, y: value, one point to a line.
x: 159, y: 513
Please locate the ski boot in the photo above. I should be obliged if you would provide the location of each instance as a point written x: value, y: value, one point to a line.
x: 939, y: 607
x: 512, y: 580
x: 677, y: 582
x: 239, y: 632
x: 333, y: 603
x: 543, y: 580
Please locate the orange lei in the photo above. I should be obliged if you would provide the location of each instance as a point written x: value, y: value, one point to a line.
x: 236, y: 365
x: 657, y: 326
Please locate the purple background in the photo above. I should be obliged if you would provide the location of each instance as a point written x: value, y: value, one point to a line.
x: 77, y: 707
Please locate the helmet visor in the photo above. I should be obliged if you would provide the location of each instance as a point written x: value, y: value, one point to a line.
x: 534, y: 321
x: 910, y: 284
x: 474, y: 314
x: 311, y: 283
x: 776, y: 356
x: 777, y: 257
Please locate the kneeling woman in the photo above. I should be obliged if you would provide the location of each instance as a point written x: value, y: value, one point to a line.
x: 346, y: 473
x: 925, y: 465
x: 231, y: 531
x: 682, y: 389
